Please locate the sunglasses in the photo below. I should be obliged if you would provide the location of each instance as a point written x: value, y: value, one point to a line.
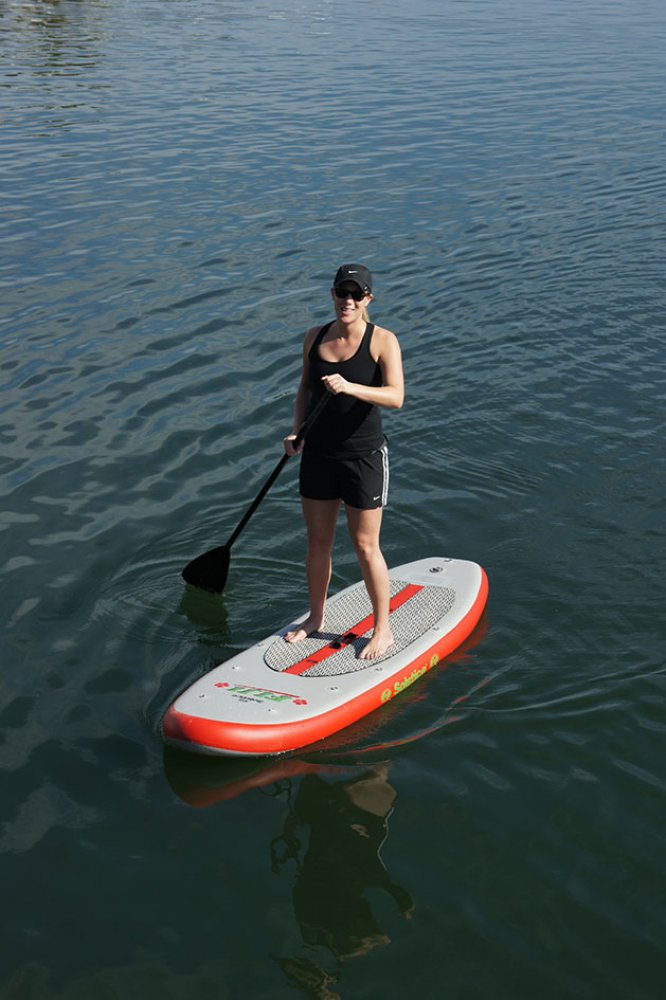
x: 344, y: 291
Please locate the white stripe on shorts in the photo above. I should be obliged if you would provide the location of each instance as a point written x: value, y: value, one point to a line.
x: 385, y: 473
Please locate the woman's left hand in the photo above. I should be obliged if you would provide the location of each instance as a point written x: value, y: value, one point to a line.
x: 336, y: 384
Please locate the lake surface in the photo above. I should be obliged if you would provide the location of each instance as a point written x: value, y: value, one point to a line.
x: 179, y: 182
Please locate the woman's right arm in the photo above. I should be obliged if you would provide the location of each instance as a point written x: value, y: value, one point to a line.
x: 302, y: 403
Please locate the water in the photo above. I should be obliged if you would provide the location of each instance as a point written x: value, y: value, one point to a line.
x: 179, y: 181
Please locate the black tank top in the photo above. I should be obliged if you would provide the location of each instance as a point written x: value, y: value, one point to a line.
x: 347, y: 427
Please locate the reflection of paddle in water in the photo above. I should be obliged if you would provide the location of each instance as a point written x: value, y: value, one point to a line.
x: 348, y: 823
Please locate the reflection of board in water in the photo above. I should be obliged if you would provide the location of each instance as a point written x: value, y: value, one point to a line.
x: 202, y: 780
x: 278, y: 696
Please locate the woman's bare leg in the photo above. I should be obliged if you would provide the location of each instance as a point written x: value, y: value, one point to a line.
x: 364, y: 527
x: 320, y: 521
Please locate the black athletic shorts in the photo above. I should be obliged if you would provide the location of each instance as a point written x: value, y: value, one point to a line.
x: 358, y: 482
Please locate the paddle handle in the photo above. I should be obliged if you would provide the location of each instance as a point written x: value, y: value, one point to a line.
x: 307, y: 424
x: 278, y: 469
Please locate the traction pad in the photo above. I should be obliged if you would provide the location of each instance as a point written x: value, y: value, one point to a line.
x: 420, y: 612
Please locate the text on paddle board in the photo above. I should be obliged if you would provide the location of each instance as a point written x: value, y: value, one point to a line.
x: 404, y: 682
x: 264, y: 694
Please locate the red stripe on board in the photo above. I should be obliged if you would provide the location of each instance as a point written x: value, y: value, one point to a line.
x: 352, y: 634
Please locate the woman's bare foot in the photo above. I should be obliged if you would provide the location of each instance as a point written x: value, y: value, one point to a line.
x: 306, y: 628
x: 379, y: 643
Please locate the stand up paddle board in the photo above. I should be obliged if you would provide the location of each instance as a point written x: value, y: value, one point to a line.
x: 279, y: 696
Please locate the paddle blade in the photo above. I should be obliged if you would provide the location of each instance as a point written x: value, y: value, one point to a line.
x: 209, y: 571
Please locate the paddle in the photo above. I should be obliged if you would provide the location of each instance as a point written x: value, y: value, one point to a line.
x: 209, y: 571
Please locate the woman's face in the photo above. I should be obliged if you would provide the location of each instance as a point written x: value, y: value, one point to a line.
x: 348, y: 305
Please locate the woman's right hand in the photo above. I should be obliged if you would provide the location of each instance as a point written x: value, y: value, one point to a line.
x: 288, y: 444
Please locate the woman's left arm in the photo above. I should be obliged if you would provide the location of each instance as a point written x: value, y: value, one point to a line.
x: 391, y: 393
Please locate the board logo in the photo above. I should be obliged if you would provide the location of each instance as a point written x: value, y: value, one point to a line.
x: 406, y: 681
x: 263, y: 694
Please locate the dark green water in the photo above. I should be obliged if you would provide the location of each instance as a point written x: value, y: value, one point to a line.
x: 179, y: 180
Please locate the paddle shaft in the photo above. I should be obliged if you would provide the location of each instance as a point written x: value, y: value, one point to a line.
x: 277, y: 470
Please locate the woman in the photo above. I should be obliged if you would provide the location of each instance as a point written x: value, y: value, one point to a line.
x: 345, y: 458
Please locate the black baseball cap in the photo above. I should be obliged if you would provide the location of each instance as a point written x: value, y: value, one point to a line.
x: 356, y: 273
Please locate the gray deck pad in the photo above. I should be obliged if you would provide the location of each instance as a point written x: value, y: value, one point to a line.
x: 419, y: 613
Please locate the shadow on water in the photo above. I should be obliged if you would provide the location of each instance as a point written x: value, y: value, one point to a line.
x: 331, y: 843
x: 207, y: 613
x: 329, y: 846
